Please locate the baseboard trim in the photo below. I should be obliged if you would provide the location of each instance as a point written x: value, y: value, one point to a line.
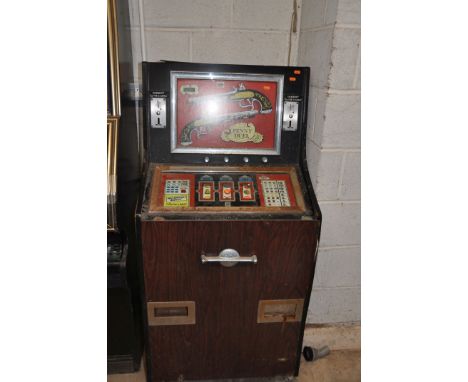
x: 335, y: 336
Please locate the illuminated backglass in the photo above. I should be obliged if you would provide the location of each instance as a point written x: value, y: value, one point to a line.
x: 226, y: 113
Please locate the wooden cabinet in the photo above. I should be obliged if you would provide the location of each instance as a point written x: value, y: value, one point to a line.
x: 226, y: 339
x: 228, y: 220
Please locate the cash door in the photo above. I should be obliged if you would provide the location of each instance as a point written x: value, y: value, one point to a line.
x: 212, y: 321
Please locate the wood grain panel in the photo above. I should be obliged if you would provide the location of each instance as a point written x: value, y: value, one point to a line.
x: 226, y: 341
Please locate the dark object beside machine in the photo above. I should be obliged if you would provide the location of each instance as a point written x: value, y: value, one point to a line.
x: 124, y: 328
x: 123, y: 316
x: 313, y: 354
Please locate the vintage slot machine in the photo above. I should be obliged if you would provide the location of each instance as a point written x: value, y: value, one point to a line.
x: 229, y: 221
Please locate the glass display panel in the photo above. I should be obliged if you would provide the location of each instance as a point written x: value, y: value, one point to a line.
x: 226, y: 113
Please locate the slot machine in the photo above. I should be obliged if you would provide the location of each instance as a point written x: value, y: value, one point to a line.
x: 228, y: 219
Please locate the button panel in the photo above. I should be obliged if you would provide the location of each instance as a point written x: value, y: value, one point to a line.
x: 226, y: 190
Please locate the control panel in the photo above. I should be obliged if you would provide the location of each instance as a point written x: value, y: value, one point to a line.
x: 189, y: 190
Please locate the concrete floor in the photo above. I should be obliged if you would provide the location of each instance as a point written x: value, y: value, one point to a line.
x: 338, y: 366
x: 343, y: 364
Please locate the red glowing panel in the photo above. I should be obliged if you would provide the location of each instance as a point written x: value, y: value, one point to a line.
x: 226, y: 114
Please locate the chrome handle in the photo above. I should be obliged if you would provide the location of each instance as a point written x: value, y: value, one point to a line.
x: 228, y: 257
x: 222, y: 259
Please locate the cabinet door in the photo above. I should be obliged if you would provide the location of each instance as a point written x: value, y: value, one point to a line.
x: 226, y: 340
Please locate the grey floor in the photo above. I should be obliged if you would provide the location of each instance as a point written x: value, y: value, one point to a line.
x: 338, y: 366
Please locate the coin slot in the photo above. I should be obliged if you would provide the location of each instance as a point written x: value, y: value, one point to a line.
x: 158, y: 112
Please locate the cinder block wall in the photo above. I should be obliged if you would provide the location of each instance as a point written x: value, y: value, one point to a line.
x: 216, y: 31
x: 329, y: 43
x: 327, y: 39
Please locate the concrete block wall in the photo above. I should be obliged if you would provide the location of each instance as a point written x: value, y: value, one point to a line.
x: 328, y: 40
x: 216, y: 31
x: 329, y: 43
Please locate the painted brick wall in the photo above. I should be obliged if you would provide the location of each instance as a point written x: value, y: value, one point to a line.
x: 216, y: 31
x: 329, y: 43
x: 327, y: 40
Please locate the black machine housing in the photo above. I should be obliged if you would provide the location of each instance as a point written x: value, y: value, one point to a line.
x: 156, y: 78
x: 157, y: 142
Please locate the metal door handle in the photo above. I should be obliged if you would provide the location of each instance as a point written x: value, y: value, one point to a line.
x: 228, y: 257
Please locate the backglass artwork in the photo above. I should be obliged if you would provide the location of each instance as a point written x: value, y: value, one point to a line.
x: 235, y: 113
